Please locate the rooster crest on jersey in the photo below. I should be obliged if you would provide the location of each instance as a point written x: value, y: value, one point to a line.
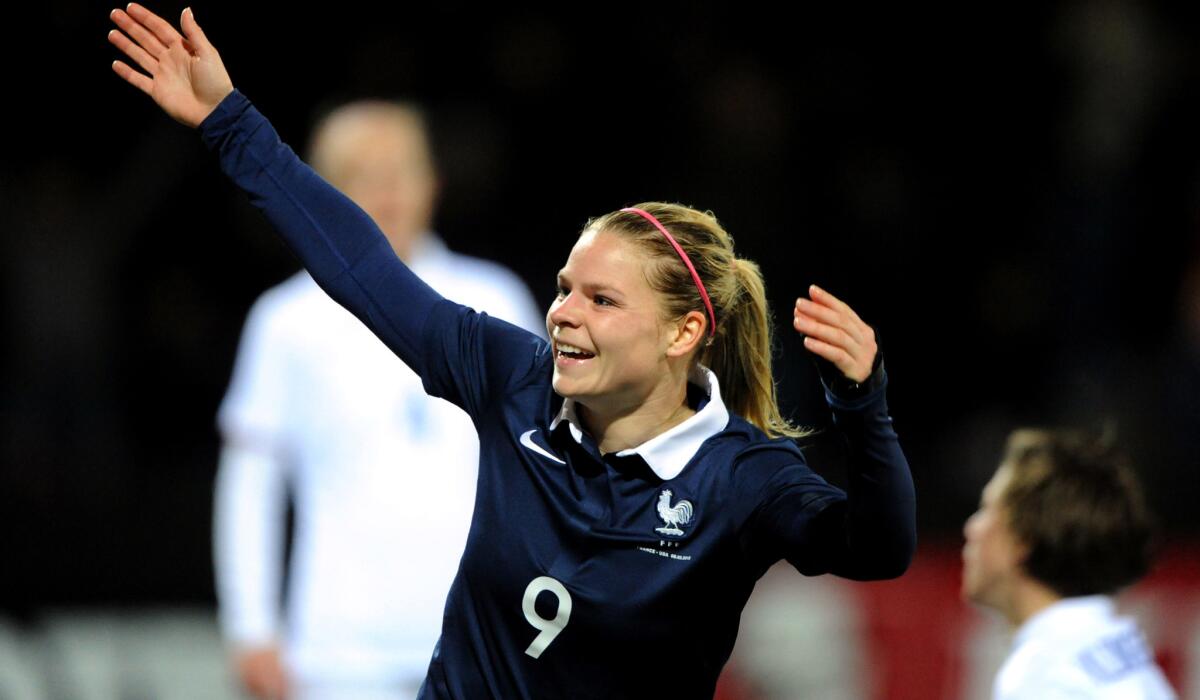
x: 673, y: 515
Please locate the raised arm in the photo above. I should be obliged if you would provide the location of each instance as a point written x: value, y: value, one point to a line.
x: 341, y: 245
x: 872, y: 533
x: 462, y: 356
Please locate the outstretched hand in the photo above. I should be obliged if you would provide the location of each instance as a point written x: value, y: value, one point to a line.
x: 186, y: 76
x: 833, y: 331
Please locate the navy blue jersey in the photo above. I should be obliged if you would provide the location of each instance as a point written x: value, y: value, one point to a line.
x: 585, y: 575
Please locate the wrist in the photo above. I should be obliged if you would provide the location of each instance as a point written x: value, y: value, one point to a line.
x: 846, y: 388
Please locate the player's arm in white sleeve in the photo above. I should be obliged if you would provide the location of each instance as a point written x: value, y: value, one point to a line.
x: 248, y: 521
x: 250, y: 493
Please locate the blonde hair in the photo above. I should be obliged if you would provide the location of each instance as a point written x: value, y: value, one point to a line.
x: 339, y: 127
x: 740, y: 351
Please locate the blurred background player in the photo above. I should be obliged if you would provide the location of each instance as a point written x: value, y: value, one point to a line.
x: 382, y: 476
x: 1061, y: 527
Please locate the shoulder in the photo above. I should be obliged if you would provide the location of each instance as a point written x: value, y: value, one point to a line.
x: 774, y: 496
x: 1100, y: 658
x: 761, y: 465
x: 445, y: 263
x: 295, y: 306
x: 473, y: 266
x: 1059, y: 677
x: 1120, y: 661
x: 291, y: 296
x: 751, y: 449
x: 481, y: 284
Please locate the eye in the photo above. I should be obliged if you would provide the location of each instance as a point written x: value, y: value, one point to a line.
x: 603, y: 301
x: 559, y: 292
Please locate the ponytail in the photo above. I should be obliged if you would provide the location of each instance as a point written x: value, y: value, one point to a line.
x: 740, y: 355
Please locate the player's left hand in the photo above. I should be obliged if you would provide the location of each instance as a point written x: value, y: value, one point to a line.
x: 833, y: 331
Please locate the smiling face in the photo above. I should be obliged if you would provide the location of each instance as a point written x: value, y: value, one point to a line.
x: 992, y: 554
x: 611, y: 343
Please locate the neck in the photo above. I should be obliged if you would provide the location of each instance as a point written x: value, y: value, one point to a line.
x: 622, y: 429
x: 1029, y: 598
x: 407, y: 245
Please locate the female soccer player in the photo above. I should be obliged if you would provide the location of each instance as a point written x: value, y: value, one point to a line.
x: 624, y: 511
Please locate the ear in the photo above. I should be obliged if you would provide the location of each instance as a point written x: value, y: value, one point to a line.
x: 1019, y: 555
x: 686, y: 334
x: 1019, y: 550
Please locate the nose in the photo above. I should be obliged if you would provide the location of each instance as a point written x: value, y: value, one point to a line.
x: 969, y: 525
x: 563, y: 312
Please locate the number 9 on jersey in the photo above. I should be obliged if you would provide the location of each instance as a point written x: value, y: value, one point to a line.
x: 547, y: 629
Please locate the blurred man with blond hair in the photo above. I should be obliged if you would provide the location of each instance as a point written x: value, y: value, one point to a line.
x: 381, y: 475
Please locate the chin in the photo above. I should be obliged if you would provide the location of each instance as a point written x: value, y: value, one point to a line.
x: 980, y: 593
x: 966, y: 592
x: 562, y: 387
x: 968, y: 587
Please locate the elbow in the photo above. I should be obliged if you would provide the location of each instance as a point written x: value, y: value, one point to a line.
x: 894, y: 566
x: 891, y: 560
x: 898, y: 548
x: 886, y: 560
x: 895, y: 560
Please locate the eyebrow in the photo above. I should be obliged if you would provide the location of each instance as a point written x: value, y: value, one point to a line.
x: 593, y: 288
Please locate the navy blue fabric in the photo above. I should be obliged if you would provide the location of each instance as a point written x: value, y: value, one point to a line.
x: 651, y: 613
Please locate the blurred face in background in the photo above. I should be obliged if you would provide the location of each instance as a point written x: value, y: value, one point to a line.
x: 992, y: 554
x: 378, y: 155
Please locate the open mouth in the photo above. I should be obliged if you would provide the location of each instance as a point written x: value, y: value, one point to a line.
x: 572, y: 352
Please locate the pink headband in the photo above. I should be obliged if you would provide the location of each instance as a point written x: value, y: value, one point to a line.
x: 712, y: 318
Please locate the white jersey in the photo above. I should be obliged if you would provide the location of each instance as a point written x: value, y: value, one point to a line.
x: 383, y: 478
x: 1078, y: 648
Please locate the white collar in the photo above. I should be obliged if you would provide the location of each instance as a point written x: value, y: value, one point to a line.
x: 668, y: 452
x: 1074, y: 613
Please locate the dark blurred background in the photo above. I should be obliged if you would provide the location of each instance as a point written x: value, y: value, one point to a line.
x: 1012, y: 199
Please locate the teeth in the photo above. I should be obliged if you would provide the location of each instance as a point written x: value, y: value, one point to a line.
x: 572, y: 350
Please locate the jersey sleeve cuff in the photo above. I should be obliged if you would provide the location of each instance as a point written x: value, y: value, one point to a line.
x: 847, y: 395
x: 219, y: 122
